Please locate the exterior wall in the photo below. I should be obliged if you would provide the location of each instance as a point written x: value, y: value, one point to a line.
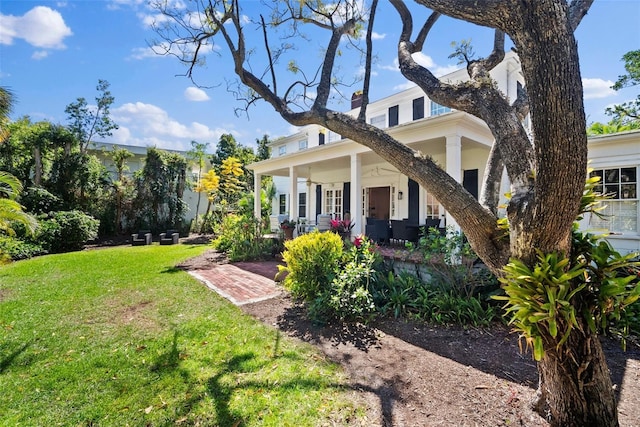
x: 618, y: 152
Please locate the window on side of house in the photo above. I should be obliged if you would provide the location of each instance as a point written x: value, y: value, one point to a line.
x: 302, y: 145
x: 282, y: 150
x: 379, y: 121
x: 302, y: 205
x: 282, y: 204
x: 418, y: 108
x: 433, y: 207
x: 437, y: 109
x: 321, y: 137
x: 393, y: 115
x: 621, y: 211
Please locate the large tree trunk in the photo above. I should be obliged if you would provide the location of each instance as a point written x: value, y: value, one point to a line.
x: 575, y: 386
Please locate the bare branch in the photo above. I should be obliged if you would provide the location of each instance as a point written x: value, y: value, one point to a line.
x: 424, y: 31
x: 521, y: 104
x: 367, y: 68
x: 577, y: 10
x: 268, y: 50
x: 490, y: 194
x: 324, y: 87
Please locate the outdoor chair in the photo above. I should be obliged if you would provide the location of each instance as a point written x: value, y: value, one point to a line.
x: 170, y: 237
x: 378, y: 230
x: 141, y: 238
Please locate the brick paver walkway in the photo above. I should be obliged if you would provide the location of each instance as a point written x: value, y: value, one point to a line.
x: 241, y: 283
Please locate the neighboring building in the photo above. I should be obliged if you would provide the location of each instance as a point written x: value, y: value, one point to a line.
x: 103, y: 150
x: 318, y: 172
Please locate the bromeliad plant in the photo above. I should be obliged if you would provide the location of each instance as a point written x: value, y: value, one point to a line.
x: 541, y: 301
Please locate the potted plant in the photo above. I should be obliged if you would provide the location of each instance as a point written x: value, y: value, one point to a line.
x: 342, y: 227
x: 287, y: 226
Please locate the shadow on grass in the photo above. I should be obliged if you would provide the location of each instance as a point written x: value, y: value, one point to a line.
x: 172, y: 270
x: 9, y: 353
x: 231, y: 378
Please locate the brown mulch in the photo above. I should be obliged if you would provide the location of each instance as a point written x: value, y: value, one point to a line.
x: 415, y: 374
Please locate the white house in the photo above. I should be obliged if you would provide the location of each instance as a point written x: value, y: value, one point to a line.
x: 317, y: 172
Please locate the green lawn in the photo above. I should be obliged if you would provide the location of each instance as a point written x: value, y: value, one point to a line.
x: 119, y: 336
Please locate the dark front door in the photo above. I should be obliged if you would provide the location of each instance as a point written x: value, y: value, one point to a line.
x: 378, y: 202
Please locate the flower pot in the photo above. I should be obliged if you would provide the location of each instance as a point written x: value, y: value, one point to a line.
x: 288, y: 233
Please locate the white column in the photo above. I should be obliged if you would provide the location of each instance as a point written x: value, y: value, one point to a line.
x: 356, y: 194
x: 454, y: 167
x: 422, y: 204
x: 257, y: 200
x: 308, y: 210
x: 293, y: 193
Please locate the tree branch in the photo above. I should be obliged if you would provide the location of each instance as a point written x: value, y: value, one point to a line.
x: 362, y: 116
x: 268, y: 50
x: 577, y: 10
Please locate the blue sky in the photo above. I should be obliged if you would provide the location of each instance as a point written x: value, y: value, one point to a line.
x: 52, y: 52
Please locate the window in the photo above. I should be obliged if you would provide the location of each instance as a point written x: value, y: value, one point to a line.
x: 378, y: 121
x: 433, y: 207
x: 393, y: 116
x: 437, y: 109
x: 621, y: 211
x: 321, y: 138
x: 333, y: 137
x: 333, y: 203
x: 418, y: 108
x: 282, y: 204
x: 302, y: 145
x: 302, y: 205
x: 282, y: 150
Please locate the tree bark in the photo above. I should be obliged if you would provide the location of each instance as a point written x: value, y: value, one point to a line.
x: 575, y: 386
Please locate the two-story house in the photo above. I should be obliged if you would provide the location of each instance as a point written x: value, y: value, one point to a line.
x: 317, y: 172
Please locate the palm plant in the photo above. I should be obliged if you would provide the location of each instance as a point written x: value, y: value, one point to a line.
x: 10, y: 210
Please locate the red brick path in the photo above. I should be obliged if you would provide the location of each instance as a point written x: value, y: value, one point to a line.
x: 241, y: 283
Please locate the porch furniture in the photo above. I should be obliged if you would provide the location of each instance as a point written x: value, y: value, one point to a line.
x: 141, y: 238
x: 275, y: 221
x: 403, y: 231
x: 378, y: 230
x: 324, y: 222
x: 170, y: 237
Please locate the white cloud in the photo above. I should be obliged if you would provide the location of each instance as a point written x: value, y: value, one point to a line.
x: 149, y: 125
x: 597, y: 88
x: 377, y: 36
x: 195, y: 94
x: 39, y: 54
x: 404, y: 86
x: 395, y: 66
x: 41, y: 27
x: 164, y: 49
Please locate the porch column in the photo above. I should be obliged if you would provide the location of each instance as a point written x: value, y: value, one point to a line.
x: 307, y: 212
x: 293, y: 193
x: 257, y: 200
x: 356, y: 194
x: 454, y: 167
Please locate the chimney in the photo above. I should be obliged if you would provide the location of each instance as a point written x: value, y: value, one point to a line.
x: 356, y: 99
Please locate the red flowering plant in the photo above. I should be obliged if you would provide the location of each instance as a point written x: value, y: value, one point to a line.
x: 287, y: 224
x: 341, y: 226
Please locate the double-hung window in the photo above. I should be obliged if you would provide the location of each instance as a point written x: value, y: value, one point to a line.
x: 620, y: 185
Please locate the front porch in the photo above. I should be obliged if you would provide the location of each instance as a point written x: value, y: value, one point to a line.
x: 343, y: 179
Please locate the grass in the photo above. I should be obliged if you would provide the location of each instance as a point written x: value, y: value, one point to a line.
x: 119, y: 336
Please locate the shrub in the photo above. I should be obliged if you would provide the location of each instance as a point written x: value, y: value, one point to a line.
x: 37, y: 200
x: 311, y: 263
x: 15, y: 249
x: 349, y: 297
x: 66, y: 231
x: 240, y: 237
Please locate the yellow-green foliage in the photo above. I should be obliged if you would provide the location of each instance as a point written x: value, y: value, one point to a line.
x: 311, y: 263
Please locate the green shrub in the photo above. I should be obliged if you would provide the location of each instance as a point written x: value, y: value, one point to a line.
x: 37, y: 200
x: 66, y: 231
x: 311, y: 261
x: 240, y: 237
x: 15, y: 249
x: 405, y: 295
